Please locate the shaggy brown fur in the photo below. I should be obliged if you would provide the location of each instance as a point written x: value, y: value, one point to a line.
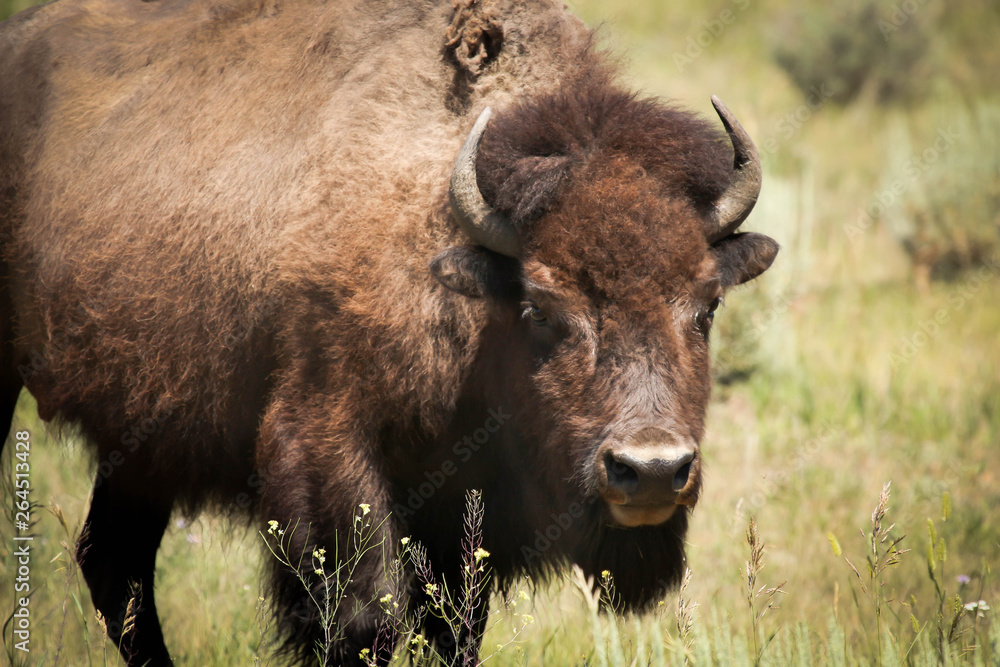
x: 217, y: 221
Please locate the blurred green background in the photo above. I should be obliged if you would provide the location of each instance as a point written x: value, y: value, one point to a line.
x: 869, y: 353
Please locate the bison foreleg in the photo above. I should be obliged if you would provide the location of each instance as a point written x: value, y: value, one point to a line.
x: 10, y: 381
x: 330, y: 576
x: 8, y: 401
x: 117, y: 554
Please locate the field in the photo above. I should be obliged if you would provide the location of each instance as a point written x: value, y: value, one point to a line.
x: 869, y: 354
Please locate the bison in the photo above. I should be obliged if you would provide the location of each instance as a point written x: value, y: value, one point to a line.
x: 281, y: 259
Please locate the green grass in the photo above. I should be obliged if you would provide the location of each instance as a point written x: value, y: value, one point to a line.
x: 828, y: 386
x: 10, y: 7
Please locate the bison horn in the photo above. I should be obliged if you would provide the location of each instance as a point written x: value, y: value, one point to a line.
x: 481, y: 223
x: 735, y: 204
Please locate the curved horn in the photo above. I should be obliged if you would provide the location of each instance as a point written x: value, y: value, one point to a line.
x: 481, y: 223
x: 735, y: 204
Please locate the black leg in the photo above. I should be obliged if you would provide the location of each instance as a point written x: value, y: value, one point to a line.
x: 10, y: 380
x: 10, y: 389
x: 8, y: 401
x: 117, y: 554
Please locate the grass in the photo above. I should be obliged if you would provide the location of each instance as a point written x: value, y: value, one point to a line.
x: 847, y: 366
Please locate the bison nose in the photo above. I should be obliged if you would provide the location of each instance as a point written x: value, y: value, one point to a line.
x: 647, y: 472
x: 654, y: 477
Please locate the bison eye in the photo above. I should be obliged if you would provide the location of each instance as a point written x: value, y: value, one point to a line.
x: 707, y: 316
x: 712, y: 307
x: 534, y: 313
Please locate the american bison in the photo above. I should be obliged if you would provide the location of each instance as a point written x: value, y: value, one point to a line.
x: 276, y: 259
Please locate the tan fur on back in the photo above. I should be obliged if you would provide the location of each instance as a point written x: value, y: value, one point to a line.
x: 174, y: 173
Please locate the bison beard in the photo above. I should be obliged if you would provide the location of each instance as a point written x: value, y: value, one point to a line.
x: 233, y: 258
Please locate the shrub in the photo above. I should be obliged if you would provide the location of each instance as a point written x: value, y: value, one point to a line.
x: 843, y: 49
x: 951, y: 222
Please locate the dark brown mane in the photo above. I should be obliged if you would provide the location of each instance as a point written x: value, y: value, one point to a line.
x: 534, y: 146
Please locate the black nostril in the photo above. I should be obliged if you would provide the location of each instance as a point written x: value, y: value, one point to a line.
x: 681, y: 476
x: 620, y: 475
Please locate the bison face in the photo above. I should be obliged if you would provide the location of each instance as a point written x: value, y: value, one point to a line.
x: 623, y: 378
x: 604, y: 305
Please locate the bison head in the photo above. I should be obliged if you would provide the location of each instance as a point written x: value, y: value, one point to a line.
x: 604, y: 231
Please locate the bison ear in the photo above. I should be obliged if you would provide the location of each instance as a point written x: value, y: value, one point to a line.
x: 743, y: 257
x: 476, y: 272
